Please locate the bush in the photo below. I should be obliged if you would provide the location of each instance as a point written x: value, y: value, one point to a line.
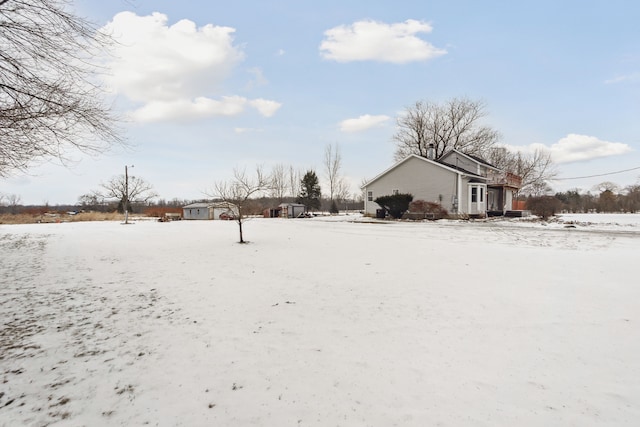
x: 428, y: 209
x: 544, y: 206
x: 396, y: 204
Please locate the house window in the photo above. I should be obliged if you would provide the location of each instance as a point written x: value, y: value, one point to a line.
x: 396, y: 192
x: 370, y: 196
x: 481, y: 195
x: 474, y: 194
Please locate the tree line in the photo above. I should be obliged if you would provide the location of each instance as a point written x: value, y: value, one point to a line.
x: 606, y: 198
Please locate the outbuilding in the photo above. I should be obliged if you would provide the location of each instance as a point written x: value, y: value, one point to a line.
x: 216, y: 210
x: 292, y: 210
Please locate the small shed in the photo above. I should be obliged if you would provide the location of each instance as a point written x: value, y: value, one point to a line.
x: 292, y: 210
x: 271, y: 213
x: 217, y: 210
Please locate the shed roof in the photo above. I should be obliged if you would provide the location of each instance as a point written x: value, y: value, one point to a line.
x: 197, y: 206
x: 205, y: 205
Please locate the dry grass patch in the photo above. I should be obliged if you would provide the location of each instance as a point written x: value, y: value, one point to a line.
x: 53, y: 217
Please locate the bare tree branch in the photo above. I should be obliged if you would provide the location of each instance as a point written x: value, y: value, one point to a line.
x: 50, y: 100
x: 454, y: 124
x: 535, y: 169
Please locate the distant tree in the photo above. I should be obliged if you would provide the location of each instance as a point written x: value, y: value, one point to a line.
x: 607, y: 185
x: 13, y: 201
x: 126, y: 191
x: 310, y: 191
x: 396, y: 204
x: 544, y: 206
x: 452, y: 124
x: 338, y: 188
x: 294, y: 177
x: 572, y: 201
x: 607, y: 201
x: 49, y: 99
x: 90, y: 201
x: 334, y: 207
x: 631, y: 200
x: 608, y: 196
x: 240, y: 191
x: 279, y: 187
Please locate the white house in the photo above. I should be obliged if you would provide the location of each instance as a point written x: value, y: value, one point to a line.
x: 501, y: 186
x: 217, y: 210
x: 460, y: 183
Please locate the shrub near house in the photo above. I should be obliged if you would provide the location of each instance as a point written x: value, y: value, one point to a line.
x: 396, y: 204
x: 421, y: 209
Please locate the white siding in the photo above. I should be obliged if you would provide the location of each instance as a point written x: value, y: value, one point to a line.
x: 196, y: 213
x: 423, y: 179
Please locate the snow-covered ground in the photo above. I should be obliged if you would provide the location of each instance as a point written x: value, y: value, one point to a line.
x: 321, y: 323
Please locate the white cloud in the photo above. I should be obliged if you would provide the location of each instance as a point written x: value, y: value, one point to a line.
x: 246, y: 130
x: 174, y: 71
x: 201, y: 107
x: 265, y: 107
x: 362, y: 123
x: 376, y: 41
x: 578, y: 148
x: 633, y: 77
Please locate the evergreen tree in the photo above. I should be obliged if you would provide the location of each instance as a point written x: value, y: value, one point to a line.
x: 396, y: 204
x: 310, y: 191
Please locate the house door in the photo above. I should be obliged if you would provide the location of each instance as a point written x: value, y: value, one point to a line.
x: 493, y: 199
x: 477, y: 199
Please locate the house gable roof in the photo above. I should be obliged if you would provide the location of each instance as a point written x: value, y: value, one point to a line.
x: 471, y: 157
x: 453, y: 169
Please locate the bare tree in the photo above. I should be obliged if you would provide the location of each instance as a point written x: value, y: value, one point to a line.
x: 91, y: 201
x: 126, y: 190
x: 332, y: 168
x: 239, y: 191
x: 607, y: 185
x: 453, y: 124
x: 536, y: 169
x: 343, y: 190
x: 278, y: 182
x: 13, y: 201
x: 49, y: 99
x: 295, y: 177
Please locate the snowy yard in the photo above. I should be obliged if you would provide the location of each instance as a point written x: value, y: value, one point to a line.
x: 321, y: 323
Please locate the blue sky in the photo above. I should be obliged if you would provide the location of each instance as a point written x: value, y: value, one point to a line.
x: 209, y: 86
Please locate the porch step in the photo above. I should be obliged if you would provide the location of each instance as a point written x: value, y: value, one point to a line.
x: 517, y: 213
